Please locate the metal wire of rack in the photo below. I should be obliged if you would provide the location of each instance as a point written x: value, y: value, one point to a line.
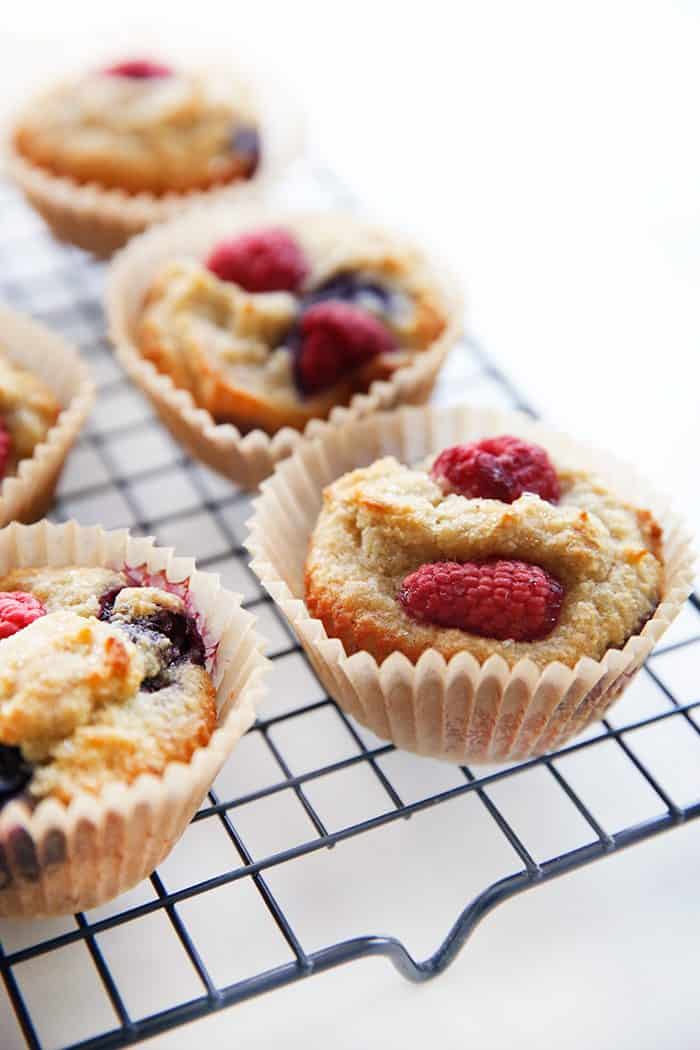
x: 127, y: 471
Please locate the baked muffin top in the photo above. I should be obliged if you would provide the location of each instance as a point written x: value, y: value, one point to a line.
x: 101, y: 679
x: 28, y: 410
x: 490, y: 548
x: 297, y: 316
x: 141, y: 126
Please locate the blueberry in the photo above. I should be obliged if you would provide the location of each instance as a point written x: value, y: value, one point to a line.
x: 15, y: 772
x: 181, y: 631
x: 107, y: 603
x: 348, y: 287
x: 185, y: 643
x: 179, y: 628
x: 245, y: 142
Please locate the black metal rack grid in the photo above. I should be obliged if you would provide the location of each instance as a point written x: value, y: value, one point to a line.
x: 122, y: 455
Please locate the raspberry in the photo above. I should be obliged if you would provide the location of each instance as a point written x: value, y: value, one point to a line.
x: 139, y: 69
x: 497, y: 468
x: 263, y: 261
x: 17, y: 610
x: 496, y: 599
x: 336, y: 337
x: 5, y: 448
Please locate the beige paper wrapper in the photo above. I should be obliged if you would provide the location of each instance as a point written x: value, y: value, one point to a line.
x: 60, y: 859
x: 103, y: 220
x: 459, y: 710
x: 27, y: 495
x: 245, y: 459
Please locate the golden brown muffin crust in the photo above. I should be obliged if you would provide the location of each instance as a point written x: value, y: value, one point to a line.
x: 76, y: 588
x: 382, y: 522
x: 28, y: 408
x: 74, y: 689
x: 227, y: 346
x: 159, y: 135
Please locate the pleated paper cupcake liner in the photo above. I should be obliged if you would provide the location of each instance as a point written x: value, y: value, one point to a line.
x: 457, y: 710
x: 102, y: 220
x: 245, y: 458
x: 58, y: 859
x: 27, y: 495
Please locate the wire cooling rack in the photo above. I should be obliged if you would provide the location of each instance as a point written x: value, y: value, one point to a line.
x: 248, y: 900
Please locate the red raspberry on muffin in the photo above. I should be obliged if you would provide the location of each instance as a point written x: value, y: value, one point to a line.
x: 139, y: 69
x: 17, y: 610
x: 336, y: 338
x: 497, y: 468
x: 496, y: 599
x: 261, y: 261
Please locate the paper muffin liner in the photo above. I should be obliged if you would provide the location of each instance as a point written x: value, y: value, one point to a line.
x: 58, y: 859
x: 102, y: 220
x: 457, y: 710
x: 245, y: 459
x: 27, y: 495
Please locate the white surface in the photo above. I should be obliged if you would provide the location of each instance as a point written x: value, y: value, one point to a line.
x: 550, y: 152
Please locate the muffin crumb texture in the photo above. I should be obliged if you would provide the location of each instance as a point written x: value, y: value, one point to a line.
x: 102, y: 682
x: 143, y: 127
x: 275, y: 325
x: 28, y: 410
x: 382, y: 523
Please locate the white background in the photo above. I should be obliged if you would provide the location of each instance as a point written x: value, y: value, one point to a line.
x: 550, y: 152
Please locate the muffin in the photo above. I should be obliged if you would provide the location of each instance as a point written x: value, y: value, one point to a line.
x: 477, y: 588
x: 102, y: 679
x: 125, y: 678
x: 487, y: 548
x: 104, y: 153
x: 270, y: 322
x: 45, y: 396
x: 28, y: 410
